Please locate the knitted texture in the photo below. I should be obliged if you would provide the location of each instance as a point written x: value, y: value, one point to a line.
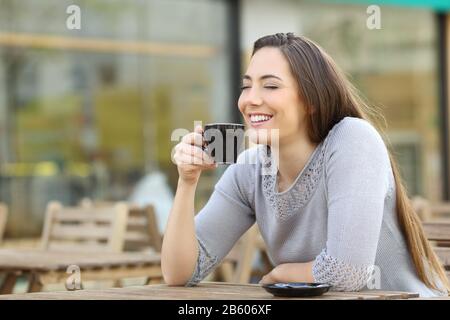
x: 205, y: 264
x: 285, y: 204
x: 342, y: 276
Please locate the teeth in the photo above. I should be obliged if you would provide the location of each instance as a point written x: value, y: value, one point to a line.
x: 259, y: 118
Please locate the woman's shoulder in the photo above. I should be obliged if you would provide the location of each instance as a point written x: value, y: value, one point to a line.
x: 355, y: 147
x: 356, y: 132
x: 355, y: 143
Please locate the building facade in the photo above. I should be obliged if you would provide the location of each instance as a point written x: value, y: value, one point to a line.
x: 88, y: 112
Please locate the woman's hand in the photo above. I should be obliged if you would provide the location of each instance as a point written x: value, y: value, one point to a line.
x: 190, y: 158
x: 273, y: 276
x: 290, y: 272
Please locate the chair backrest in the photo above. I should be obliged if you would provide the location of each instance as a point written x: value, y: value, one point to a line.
x: 439, y: 233
x: 428, y: 210
x: 142, y: 232
x: 3, y: 219
x: 85, y: 229
x: 421, y: 207
x: 440, y: 209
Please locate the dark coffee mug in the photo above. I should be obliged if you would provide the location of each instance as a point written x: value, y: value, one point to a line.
x: 224, y: 141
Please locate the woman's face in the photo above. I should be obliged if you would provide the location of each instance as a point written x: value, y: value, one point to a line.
x: 270, y: 98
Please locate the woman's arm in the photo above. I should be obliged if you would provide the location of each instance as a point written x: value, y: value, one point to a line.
x: 180, y: 247
x: 227, y: 215
x: 357, y: 180
x: 193, y: 247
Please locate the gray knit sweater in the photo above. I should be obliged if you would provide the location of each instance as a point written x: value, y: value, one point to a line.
x: 339, y: 212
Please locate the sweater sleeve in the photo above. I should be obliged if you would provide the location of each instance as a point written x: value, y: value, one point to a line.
x: 357, y: 181
x: 224, y: 219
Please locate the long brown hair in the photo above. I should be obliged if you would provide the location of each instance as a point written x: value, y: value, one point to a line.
x: 329, y: 97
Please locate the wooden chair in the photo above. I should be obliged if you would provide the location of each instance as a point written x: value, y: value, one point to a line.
x: 78, y: 229
x: 438, y: 232
x: 428, y: 210
x: 142, y: 233
x: 81, y: 229
x: 3, y: 219
x: 440, y: 210
x: 422, y: 208
x: 237, y: 265
x: 436, y: 228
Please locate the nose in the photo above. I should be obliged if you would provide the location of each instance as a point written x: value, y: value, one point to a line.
x: 252, y: 97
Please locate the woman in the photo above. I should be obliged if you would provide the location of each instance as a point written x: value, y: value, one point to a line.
x: 335, y: 211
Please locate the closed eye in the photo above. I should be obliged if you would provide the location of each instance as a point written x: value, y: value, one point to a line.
x: 266, y: 87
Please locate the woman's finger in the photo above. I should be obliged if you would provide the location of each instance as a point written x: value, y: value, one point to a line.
x: 189, y: 159
x: 196, y: 152
x: 193, y: 138
x: 198, y: 129
x: 267, y: 279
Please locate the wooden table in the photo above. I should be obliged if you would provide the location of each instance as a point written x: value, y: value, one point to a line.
x: 45, y: 267
x: 204, y: 291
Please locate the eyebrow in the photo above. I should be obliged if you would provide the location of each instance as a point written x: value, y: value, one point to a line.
x: 266, y: 76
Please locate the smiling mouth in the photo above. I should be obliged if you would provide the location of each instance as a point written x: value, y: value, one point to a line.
x: 260, y: 118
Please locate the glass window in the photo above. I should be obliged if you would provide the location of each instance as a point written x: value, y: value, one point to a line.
x: 395, y: 68
x: 89, y: 112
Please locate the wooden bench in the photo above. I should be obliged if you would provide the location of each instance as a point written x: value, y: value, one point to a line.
x: 97, y: 232
x: 438, y: 232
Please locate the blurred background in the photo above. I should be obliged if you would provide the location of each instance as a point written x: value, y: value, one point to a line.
x: 90, y: 112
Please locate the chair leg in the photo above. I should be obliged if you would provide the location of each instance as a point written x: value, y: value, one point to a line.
x: 226, y: 271
x: 34, y: 283
x: 9, y: 283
